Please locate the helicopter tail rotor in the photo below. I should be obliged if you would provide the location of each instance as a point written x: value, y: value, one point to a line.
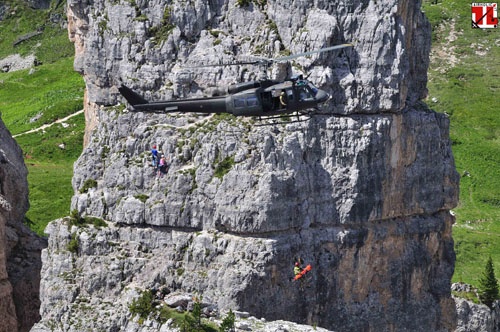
x: 132, y: 97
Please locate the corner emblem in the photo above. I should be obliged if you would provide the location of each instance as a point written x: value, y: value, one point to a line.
x: 484, y: 15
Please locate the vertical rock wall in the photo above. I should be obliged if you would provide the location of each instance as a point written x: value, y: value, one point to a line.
x: 363, y: 195
x: 20, y: 249
x: 13, y: 205
x: 8, y: 319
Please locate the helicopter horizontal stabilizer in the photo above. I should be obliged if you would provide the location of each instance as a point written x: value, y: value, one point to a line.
x: 132, y: 97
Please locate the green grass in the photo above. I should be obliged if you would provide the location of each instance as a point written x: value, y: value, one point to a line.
x: 469, y: 93
x: 50, y: 193
x: 43, y: 146
x: 52, y: 45
x: 51, y: 169
x: 467, y: 295
x: 55, y: 90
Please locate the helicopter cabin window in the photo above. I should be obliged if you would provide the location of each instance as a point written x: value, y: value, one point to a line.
x: 304, y: 94
x: 239, y: 102
x: 252, y: 101
x: 289, y: 94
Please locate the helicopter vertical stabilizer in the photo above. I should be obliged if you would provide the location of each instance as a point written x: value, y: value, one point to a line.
x: 132, y: 97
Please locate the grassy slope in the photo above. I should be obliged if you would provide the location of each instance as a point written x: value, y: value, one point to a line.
x: 51, y: 169
x: 49, y: 47
x: 469, y: 93
x: 54, y: 90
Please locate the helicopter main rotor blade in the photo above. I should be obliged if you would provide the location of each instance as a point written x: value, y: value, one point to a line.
x: 227, y: 64
x: 263, y: 60
x: 293, y: 56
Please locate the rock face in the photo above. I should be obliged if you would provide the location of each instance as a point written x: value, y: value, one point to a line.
x: 39, y: 4
x: 362, y: 195
x: 4, y: 8
x: 16, y: 62
x: 20, y: 249
x: 472, y: 317
x: 147, y: 46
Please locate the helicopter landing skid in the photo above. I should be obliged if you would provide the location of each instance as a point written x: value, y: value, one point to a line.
x: 309, y: 115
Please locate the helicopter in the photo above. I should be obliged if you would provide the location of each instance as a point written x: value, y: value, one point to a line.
x: 265, y: 99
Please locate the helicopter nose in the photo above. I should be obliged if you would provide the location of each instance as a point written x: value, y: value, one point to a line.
x: 322, y: 96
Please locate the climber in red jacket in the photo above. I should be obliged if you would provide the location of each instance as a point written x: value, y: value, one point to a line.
x: 300, y: 273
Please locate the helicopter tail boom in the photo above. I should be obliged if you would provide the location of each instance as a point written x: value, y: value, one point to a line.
x: 132, y: 97
x: 195, y: 105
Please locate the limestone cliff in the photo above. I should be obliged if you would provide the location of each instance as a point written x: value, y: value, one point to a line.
x: 474, y: 317
x: 20, y: 249
x: 362, y: 194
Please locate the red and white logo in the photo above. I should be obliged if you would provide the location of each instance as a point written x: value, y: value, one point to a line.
x: 484, y: 15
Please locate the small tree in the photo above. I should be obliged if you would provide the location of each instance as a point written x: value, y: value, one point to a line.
x: 143, y: 305
x: 488, y: 285
x: 227, y: 324
x: 192, y: 322
x: 197, y: 315
x: 187, y: 324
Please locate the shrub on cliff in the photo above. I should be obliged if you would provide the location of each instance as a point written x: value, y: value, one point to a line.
x: 143, y: 305
x: 164, y: 30
x: 73, y: 244
x: 76, y: 220
x: 147, y: 305
x: 243, y: 3
x: 224, y: 167
x: 488, y: 285
x: 89, y: 183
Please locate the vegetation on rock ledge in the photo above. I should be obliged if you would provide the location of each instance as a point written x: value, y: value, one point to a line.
x: 146, y: 306
x: 224, y: 167
x: 88, y: 184
x: 76, y: 220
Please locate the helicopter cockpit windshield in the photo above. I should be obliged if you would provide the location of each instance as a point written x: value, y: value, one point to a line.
x: 313, y: 88
x: 304, y: 92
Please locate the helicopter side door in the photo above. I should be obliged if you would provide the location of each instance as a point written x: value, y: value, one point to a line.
x: 284, y: 100
x: 291, y: 99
